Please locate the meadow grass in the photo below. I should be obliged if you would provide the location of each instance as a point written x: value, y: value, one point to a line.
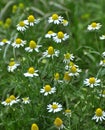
x: 71, y: 73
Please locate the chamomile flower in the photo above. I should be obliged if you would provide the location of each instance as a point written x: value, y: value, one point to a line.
x: 34, y: 126
x: 56, y: 78
x: 12, y: 66
x: 22, y: 26
x: 4, y: 42
x: 102, y: 37
x: 60, y: 36
x: 102, y: 63
x: 31, y: 72
x: 70, y: 64
x: 99, y: 115
x: 31, y: 21
x: 94, y: 26
x: 54, y: 107
x: 55, y: 18
x: 7, y: 102
x: 74, y: 71
x: 64, y: 22
x: 66, y: 77
x: 50, y: 34
x: 102, y: 94
x: 51, y: 52
x: 33, y: 46
x: 14, y: 99
x: 67, y: 112
x: 58, y: 123
x: 26, y: 100
x: 18, y: 43
x: 91, y: 82
x: 68, y: 57
x: 47, y: 89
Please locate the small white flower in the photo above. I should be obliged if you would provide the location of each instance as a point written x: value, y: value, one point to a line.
x: 7, y: 102
x: 14, y: 99
x: 60, y: 36
x: 59, y: 123
x: 22, y: 26
x: 68, y: 57
x: 12, y: 66
x: 99, y: 115
x: 102, y: 63
x: 4, y: 42
x: 67, y: 112
x: 74, y: 71
x: 94, y: 26
x: 33, y: 46
x: 54, y: 107
x: 50, y: 34
x: 51, y: 52
x: 102, y: 37
x: 47, y: 89
x: 18, y: 43
x: 55, y: 19
x: 26, y: 100
x: 91, y: 82
x: 56, y: 78
x: 31, y: 72
x: 64, y: 22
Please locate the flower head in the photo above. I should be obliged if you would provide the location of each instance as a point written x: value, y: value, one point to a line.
x: 18, y: 43
x: 102, y: 94
x: 102, y: 37
x: 58, y: 123
x: 99, y: 115
x: 91, y: 82
x: 7, y: 102
x: 102, y: 63
x: 22, y: 26
x: 32, y: 46
x: 54, y: 107
x: 67, y: 112
x: 34, y: 127
x: 68, y: 57
x: 31, y: 72
x: 64, y: 22
x: 55, y: 18
x: 60, y: 36
x: 67, y: 77
x: 50, y: 34
x: 4, y: 42
x: 94, y: 26
x: 26, y: 100
x: 74, y: 71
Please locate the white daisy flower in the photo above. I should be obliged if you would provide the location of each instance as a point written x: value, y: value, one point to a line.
x: 102, y: 37
x: 4, y: 42
x: 12, y: 66
x: 22, y: 26
x: 7, y: 102
x: 99, y: 115
x: 31, y: 21
x: 68, y: 57
x: 56, y: 78
x: 26, y: 100
x: 102, y: 63
x: 47, y: 89
x: 70, y: 64
x: 55, y: 18
x: 59, y: 123
x: 67, y: 112
x: 94, y: 26
x: 18, y: 43
x: 74, y: 71
x: 91, y: 82
x: 51, y: 52
x: 64, y: 22
x: 54, y: 107
x: 31, y: 72
x: 66, y: 77
x: 50, y: 34
x: 33, y: 46
x: 102, y: 94
x: 14, y: 99
x: 60, y: 36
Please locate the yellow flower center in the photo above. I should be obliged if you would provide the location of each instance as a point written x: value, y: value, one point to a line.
x: 25, y: 99
x: 47, y: 88
x: 4, y: 40
x: 94, y: 24
x: 58, y: 122
x: 92, y: 80
x: 34, y: 127
x: 65, y: 21
x: 50, y: 32
x: 104, y: 61
x: 73, y: 69
x: 31, y: 70
x: 67, y: 111
x: 56, y: 76
x: 21, y: 23
x: 18, y: 41
x: 11, y: 63
x: 66, y: 76
x: 54, y: 16
x: 54, y: 106
x: 32, y: 44
x: 67, y: 56
x: 99, y: 112
x: 50, y: 50
x: 12, y: 97
x: 60, y: 35
x: 103, y: 92
x: 31, y: 18
x: 8, y: 100
x: 71, y: 64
